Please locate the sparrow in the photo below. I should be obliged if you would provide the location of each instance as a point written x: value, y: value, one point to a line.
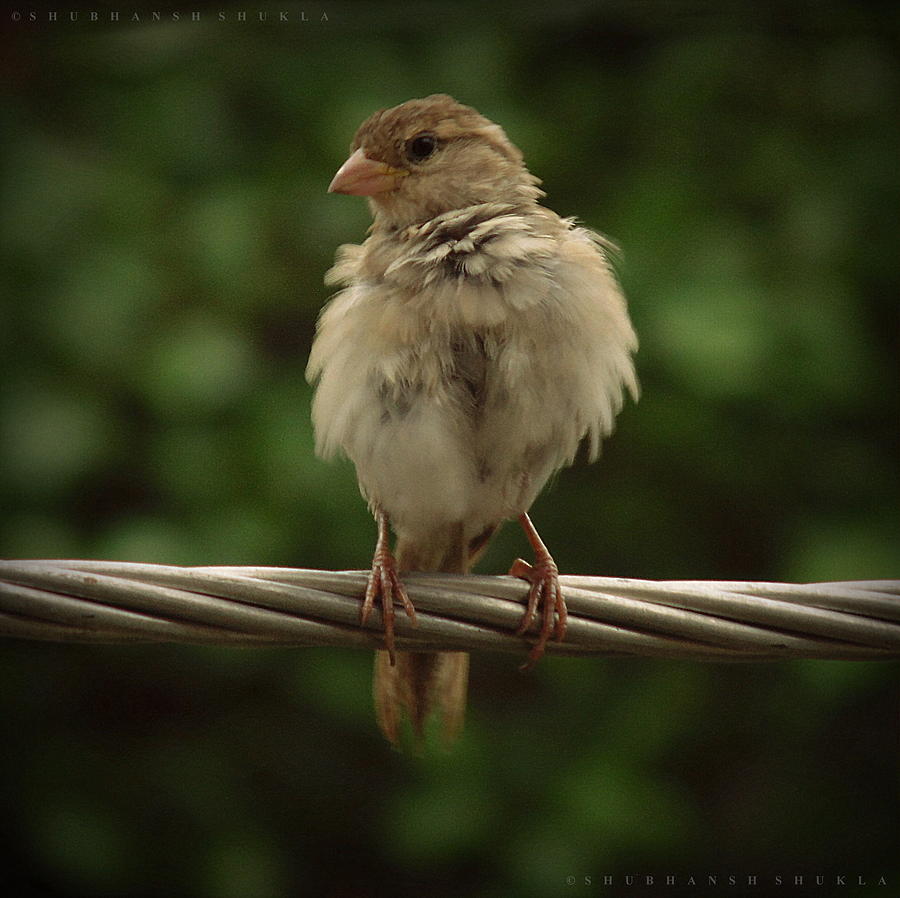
x: 478, y: 340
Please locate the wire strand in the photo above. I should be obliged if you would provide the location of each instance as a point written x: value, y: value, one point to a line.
x: 106, y: 601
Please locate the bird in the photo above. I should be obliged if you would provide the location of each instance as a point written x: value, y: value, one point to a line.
x: 477, y: 340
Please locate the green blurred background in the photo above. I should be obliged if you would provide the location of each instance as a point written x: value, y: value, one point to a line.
x: 165, y: 232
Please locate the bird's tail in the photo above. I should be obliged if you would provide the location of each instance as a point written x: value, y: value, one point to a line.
x: 422, y: 683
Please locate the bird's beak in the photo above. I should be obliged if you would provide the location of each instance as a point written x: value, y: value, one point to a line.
x: 361, y: 176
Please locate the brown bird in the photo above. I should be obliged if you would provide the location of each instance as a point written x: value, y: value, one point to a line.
x: 479, y: 338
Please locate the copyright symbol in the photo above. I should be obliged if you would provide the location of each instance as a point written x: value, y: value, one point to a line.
x: 570, y: 880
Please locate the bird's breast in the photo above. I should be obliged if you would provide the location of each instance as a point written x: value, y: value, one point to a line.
x: 473, y: 267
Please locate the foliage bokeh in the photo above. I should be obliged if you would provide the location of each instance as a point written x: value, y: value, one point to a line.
x: 165, y: 232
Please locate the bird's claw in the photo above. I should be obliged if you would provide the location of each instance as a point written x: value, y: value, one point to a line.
x: 545, y: 592
x: 384, y: 584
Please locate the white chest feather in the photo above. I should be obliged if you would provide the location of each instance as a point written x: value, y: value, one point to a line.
x: 467, y: 364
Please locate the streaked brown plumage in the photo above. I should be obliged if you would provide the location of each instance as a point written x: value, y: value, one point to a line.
x: 479, y: 338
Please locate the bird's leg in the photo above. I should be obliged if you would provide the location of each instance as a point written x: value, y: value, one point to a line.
x: 384, y: 583
x: 545, y: 591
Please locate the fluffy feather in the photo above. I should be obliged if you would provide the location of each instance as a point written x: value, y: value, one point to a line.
x: 478, y: 339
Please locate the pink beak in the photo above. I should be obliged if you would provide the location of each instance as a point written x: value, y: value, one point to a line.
x: 362, y: 176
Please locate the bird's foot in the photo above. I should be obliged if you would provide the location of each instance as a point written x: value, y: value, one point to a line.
x: 545, y: 593
x: 384, y: 586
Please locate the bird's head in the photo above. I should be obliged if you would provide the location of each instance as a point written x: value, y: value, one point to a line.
x: 429, y: 156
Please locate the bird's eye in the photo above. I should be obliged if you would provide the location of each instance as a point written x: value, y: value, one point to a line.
x: 421, y: 147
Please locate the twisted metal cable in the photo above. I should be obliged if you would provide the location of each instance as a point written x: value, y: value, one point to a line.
x: 105, y: 601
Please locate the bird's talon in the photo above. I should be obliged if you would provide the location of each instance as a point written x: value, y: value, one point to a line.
x: 385, y: 586
x: 521, y: 568
x: 545, y: 594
